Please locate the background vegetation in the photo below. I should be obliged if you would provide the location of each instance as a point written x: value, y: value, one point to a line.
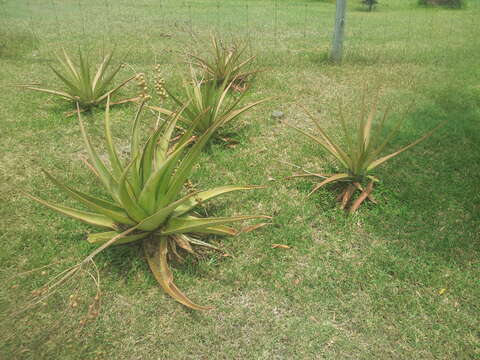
x: 395, y: 280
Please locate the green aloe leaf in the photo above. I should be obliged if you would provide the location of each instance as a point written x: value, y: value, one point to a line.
x: 53, y: 92
x: 218, y: 230
x: 231, y: 115
x: 127, y: 199
x: 104, y: 174
x: 71, y: 67
x: 103, y: 207
x: 188, y: 224
x: 156, y: 220
x: 85, y: 77
x: 101, y: 71
x: 102, y: 238
x: 112, y: 152
x: 159, y: 180
x: 327, y: 146
x: 86, y: 217
x: 204, y: 196
x: 72, y: 83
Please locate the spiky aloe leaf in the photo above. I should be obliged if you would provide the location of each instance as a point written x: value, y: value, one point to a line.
x: 193, y: 224
x: 158, y: 218
x: 86, y: 217
x: 155, y: 185
x: 112, y: 152
x: 329, y: 146
x: 103, y: 237
x: 52, y: 92
x: 104, y: 174
x: 218, y: 230
x: 127, y: 199
x: 101, y: 206
x: 101, y: 71
x: 204, y: 196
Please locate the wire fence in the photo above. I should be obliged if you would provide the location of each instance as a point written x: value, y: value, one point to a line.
x: 153, y: 26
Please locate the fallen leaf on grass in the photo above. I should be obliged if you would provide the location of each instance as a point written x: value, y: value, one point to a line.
x: 280, y: 246
x: 441, y: 291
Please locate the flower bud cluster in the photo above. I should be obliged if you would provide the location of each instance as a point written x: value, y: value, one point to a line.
x: 159, y: 83
x: 142, y: 85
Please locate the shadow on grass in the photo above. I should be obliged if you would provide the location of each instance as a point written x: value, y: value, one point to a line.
x: 351, y: 57
x: 14, y: 44
x: 431, y: 201
x: 126, y: 262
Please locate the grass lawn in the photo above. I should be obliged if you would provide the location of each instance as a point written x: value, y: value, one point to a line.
x: 395, y: 280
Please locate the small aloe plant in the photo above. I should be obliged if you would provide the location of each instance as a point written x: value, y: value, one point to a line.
x: 226, y: 64
x: 83, y: 86
x: 360, y: 154
x: 148, y: 202
x: 207, y: 104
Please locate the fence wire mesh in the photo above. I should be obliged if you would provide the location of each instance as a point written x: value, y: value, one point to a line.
x: 152, y: 28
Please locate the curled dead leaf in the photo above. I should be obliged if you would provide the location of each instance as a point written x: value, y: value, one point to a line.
x: 280, y: 246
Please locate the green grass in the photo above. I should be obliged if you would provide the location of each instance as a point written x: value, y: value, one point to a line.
x: 365, y: 286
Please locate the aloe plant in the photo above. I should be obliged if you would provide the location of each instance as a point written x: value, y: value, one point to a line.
x: 207, y: 104
x: 360, y: 154
x: 84, y: 86
x: 226, y: 64
x: 148, y: 204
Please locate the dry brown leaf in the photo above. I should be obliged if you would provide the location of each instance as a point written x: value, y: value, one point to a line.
x: 247, y: 229
x: 356, y: 204
x: 280, y: 246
